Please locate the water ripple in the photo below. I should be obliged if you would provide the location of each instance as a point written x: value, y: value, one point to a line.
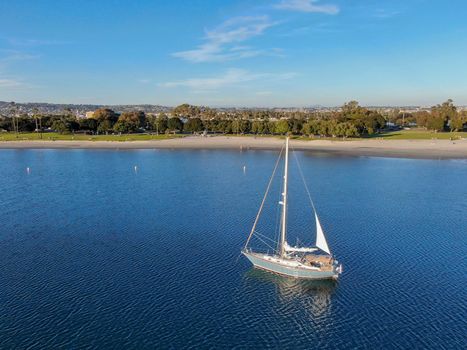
x: 97, y: 256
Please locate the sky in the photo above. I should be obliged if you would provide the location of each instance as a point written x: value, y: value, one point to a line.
x: 264, y: 53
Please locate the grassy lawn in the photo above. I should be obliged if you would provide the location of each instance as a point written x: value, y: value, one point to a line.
x: 398, y: 135
x: 393, y: 135
x: 420, y: 135
x: 292, y: 137
x: 8, y: 136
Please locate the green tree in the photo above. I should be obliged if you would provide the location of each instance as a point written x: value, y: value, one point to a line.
x: 193, y: 125
x: 282, y: 127
x: 136, y: 118
x: 14, y: 117
x: 259, y: 127
x: 37, y: 118
x: 244, y: 126
x: 186, y: 110
x: 348, y: 129
x: 458, y: 122
x: 160, y: 124
x: 104, y: 126
x: 436, y: 123
x: 102, y: 114
x: 296, y: 125
x: 333, y: 128
x: 131, y: 121
x: 123, y: 127
x: 352, y: 110
x: 211, y: 124
x: 422, y: 118
x: 271, y: 127
x: 73, y: 123
x: 441, y: 114
x: 311, y: 127
x: 365, y: 120
x: 106, y: 118
x: 61, y: 126
x: 175, y: 124
x: 225, y: 126
x: 373, y: 122
x: 236, y: 125
x: 323, y: 128
x: 88, y: 124
x: 5, y: 124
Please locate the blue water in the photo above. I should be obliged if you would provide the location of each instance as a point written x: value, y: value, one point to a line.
x: 96, y: 254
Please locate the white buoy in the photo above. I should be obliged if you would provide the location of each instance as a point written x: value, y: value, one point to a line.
x: 244, y: 169
x: 136, y: 169
x: 28, y: 170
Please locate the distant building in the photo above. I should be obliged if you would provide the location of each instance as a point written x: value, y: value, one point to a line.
x: 89, y: 115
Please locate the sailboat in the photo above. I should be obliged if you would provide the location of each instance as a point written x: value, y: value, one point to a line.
x: 314, y: 262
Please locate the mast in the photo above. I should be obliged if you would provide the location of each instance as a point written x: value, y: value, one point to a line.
x: 284, y: 200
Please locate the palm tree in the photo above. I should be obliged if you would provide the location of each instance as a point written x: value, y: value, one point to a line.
x: 38, y: 119
x: 14, y: 112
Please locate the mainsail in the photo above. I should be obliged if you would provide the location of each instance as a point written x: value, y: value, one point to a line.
x: 320, y: 238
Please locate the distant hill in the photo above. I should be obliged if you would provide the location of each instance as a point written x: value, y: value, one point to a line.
x: 78, y: 109
x: 81, y: 109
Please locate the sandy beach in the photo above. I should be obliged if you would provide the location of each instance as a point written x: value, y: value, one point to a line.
x: 429, y: 149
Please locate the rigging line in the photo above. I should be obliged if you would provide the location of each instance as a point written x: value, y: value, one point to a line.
x: 303, y: 179
x: 264, y: 199
x: 238, y: 257
x: 265, y: 237
x: 264, y: 243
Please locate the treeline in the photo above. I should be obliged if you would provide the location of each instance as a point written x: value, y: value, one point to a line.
x: 352, y: 120
x: 442, y: 117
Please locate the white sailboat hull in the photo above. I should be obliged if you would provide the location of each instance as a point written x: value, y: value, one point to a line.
x: 288, y: 267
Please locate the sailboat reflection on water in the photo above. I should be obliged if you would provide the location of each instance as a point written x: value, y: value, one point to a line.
x: 313, y: 295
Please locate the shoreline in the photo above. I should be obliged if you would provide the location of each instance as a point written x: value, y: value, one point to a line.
x: 418, y: 149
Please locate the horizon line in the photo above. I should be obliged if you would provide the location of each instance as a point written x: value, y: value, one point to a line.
x: 233, y: 106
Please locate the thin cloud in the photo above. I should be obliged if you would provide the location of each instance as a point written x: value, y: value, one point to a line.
x: 382, y: 13
x: 307, y: 6
x: 14, y: 55
x: 8, y: 58
x: 231, y: 77
x: 223, y: 43
x: 316, y: 28
x: 12, y: 83
x: 34, y: 42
